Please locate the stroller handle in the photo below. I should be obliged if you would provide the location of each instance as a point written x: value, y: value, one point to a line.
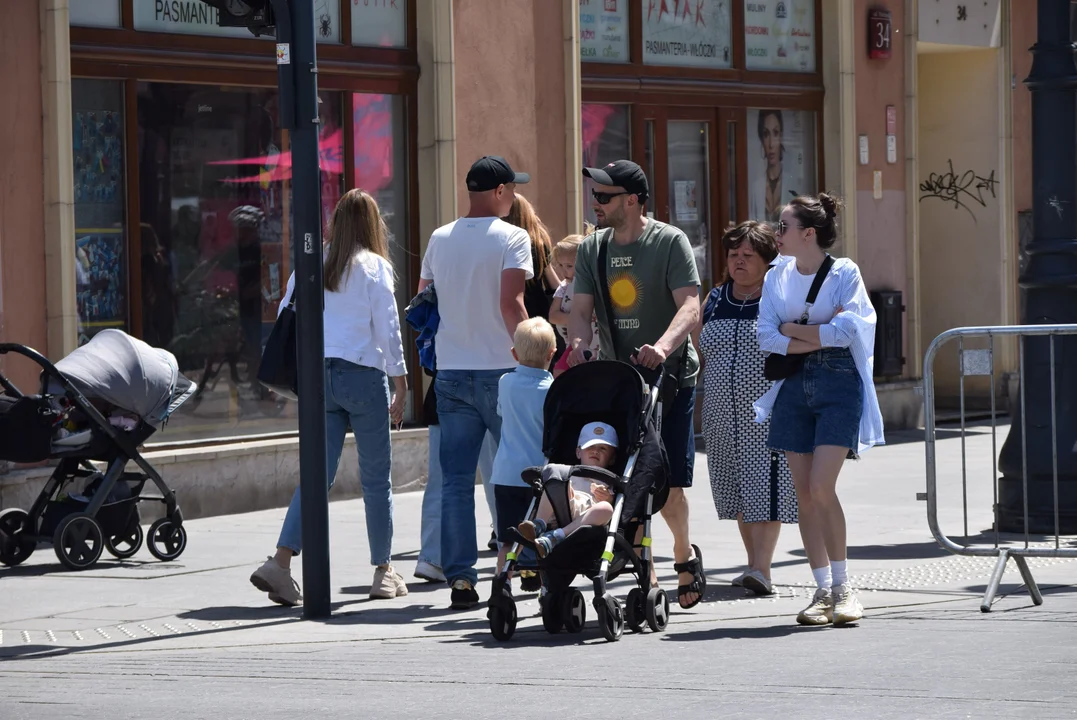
x: 653, y: 378
x: 35, y: 356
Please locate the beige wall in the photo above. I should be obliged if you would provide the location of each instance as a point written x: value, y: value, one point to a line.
x: 880, y: 224
x: 22, y: 200
x: 507, y: 103
x: 961, y: 273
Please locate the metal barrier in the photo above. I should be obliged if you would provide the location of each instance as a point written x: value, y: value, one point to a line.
x: 981, y: 362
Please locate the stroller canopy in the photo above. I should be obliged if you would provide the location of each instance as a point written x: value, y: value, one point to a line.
x: 127, y: 373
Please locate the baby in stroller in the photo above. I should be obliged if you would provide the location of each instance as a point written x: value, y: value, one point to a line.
x: 590, y: 502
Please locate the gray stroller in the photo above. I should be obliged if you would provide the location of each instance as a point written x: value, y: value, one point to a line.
x: 100, y: 403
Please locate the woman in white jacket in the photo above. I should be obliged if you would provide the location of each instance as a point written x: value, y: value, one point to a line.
x: 362, y: 350
x: 827, y: 407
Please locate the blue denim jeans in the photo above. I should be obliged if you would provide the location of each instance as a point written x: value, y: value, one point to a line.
x: 430, y: 550
x: 819, y: 405
x: 360, y: 396
x: 467, y: 410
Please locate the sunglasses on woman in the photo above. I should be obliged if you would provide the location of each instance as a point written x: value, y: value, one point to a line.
x: 604, y: 198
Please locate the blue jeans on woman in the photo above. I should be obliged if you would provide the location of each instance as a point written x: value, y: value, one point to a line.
x: 430, y: 543
x: 360, y: 396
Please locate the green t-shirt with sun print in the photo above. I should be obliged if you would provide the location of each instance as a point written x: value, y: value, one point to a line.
x: 642, y: 277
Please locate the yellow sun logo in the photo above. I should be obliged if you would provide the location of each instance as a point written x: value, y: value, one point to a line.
x: 625, y: 292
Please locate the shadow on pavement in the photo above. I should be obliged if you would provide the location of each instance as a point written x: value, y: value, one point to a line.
x: 905, y: 551
x: 731, y: 632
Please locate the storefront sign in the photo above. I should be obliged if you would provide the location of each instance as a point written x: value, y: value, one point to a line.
x: 694, y: 33
x: 604, y: 30
x: 193, y: 17
x: 95, y: 13
x: 779, y: 35
x: 380, y: 23
x: 879, y: 34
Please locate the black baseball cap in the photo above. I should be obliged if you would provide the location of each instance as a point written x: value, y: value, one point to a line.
x: 490, y: 171
x: 622, y: 173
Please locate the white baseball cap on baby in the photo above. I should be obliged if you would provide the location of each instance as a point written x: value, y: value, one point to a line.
x: 597, y: 433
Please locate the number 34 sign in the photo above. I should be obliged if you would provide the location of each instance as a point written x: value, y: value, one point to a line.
x: 879, y: 34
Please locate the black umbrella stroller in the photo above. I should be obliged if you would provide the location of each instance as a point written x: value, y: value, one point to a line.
x: 100, y: 403
x: 615, y: 393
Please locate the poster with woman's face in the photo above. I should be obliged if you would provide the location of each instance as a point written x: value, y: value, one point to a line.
x: 781, y: 160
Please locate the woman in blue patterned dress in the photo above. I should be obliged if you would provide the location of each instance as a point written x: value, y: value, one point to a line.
x: 750, y: 483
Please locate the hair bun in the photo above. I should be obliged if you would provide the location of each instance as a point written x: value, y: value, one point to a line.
x: 830, y: 204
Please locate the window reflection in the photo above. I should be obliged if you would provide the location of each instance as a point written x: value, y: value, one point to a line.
x: 604, y: 131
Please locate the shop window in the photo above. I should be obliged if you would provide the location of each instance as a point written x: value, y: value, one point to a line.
x: 780, y: 36
x: 194, y: 17
x: 95, y: 13
x: 604, y: 31
x: 688, y: 170
x: 781, y: 160
x: 688, y: 34
x: 604, y: 131
x: 216, y: 237
x: 101, y: 266
x: 380, y: 23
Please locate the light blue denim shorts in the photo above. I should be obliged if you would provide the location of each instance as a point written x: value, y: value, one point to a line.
x: 819, y: 405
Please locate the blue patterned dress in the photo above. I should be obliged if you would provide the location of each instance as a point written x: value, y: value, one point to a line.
x: 745, y: 476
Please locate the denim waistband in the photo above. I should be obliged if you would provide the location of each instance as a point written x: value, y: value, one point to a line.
x: 829, y: 354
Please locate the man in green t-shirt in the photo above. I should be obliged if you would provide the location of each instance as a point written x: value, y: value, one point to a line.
x: 652, y: 292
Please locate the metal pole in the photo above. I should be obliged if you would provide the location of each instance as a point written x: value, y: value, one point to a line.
x: 307, y: 261
x: 1050, y: 280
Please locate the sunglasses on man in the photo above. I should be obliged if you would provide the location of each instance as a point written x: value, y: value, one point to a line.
x: 604, y: 198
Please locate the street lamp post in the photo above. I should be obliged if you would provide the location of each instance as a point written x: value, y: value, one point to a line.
x: 1050, y: 280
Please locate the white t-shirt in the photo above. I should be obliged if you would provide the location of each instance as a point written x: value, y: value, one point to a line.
x: 565, y: 292
x: 465, y: 260
x: 794, y: 293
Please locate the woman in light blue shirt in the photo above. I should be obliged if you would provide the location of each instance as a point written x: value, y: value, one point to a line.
x: 825, y: 409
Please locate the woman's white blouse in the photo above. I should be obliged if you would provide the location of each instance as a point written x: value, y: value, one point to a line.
x: 362, y: 323
x: 853, y: 328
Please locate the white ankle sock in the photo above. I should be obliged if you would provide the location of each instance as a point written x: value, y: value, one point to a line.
x: 822, y: 577
x: 839, y: 571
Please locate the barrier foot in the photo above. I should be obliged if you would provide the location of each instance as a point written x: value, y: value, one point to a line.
x: 996, y: 580
x: 1030, y: 582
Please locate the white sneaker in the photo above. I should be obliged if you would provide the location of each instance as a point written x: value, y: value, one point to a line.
x: 757, y: 583
x: 820, y: 611
x: 277, y: 581
x: 847, y: 609
x: 387, y: 584
x: 429, y: 572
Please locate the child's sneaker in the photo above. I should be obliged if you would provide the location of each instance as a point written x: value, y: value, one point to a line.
x: 531, y: 529
x: 545, y: 543
x: 463, y: 595
x: 530, y: 581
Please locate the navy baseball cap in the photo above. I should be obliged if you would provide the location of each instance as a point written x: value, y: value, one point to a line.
x: 622, y: 173
x: 490, y: 171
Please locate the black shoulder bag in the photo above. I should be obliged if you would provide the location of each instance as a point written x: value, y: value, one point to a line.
x: 672, y: 383
x: 279, y: 370
x: 779, y: 367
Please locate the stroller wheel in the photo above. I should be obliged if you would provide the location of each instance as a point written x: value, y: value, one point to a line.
x: 611, y: 617
x: 635, y: 613
x: 657, y: 609
x: 503, y: 618
x: 77, y: 541
x: 551, y: 614
x: 127, y: 543
x: 166, y: 540
x: 574, y: 611
x: 13, y: 548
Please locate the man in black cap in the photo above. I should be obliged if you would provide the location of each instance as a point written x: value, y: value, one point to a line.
x: 639, y: 277
x: 478, y: 266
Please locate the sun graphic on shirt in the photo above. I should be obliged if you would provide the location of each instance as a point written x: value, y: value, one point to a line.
x: 625, y: 292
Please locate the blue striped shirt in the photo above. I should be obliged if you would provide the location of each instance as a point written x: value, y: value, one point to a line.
x: 853, y: 328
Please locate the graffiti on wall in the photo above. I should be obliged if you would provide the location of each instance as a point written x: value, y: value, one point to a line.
x: 963, y: 190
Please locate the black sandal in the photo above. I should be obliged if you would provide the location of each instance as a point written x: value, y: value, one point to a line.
x: 698, y: 586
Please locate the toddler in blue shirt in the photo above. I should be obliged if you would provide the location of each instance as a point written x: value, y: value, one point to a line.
x: 521, y: 395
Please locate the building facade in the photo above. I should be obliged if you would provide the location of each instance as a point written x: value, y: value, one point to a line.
x: 145, y: 181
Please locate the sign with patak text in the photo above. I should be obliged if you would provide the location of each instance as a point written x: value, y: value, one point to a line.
x: 694, y: 33
x: 779, y: 35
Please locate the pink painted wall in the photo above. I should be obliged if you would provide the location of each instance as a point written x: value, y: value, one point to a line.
x: 510, y: 96
x: 881, y: 237
x: 22, y: 194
